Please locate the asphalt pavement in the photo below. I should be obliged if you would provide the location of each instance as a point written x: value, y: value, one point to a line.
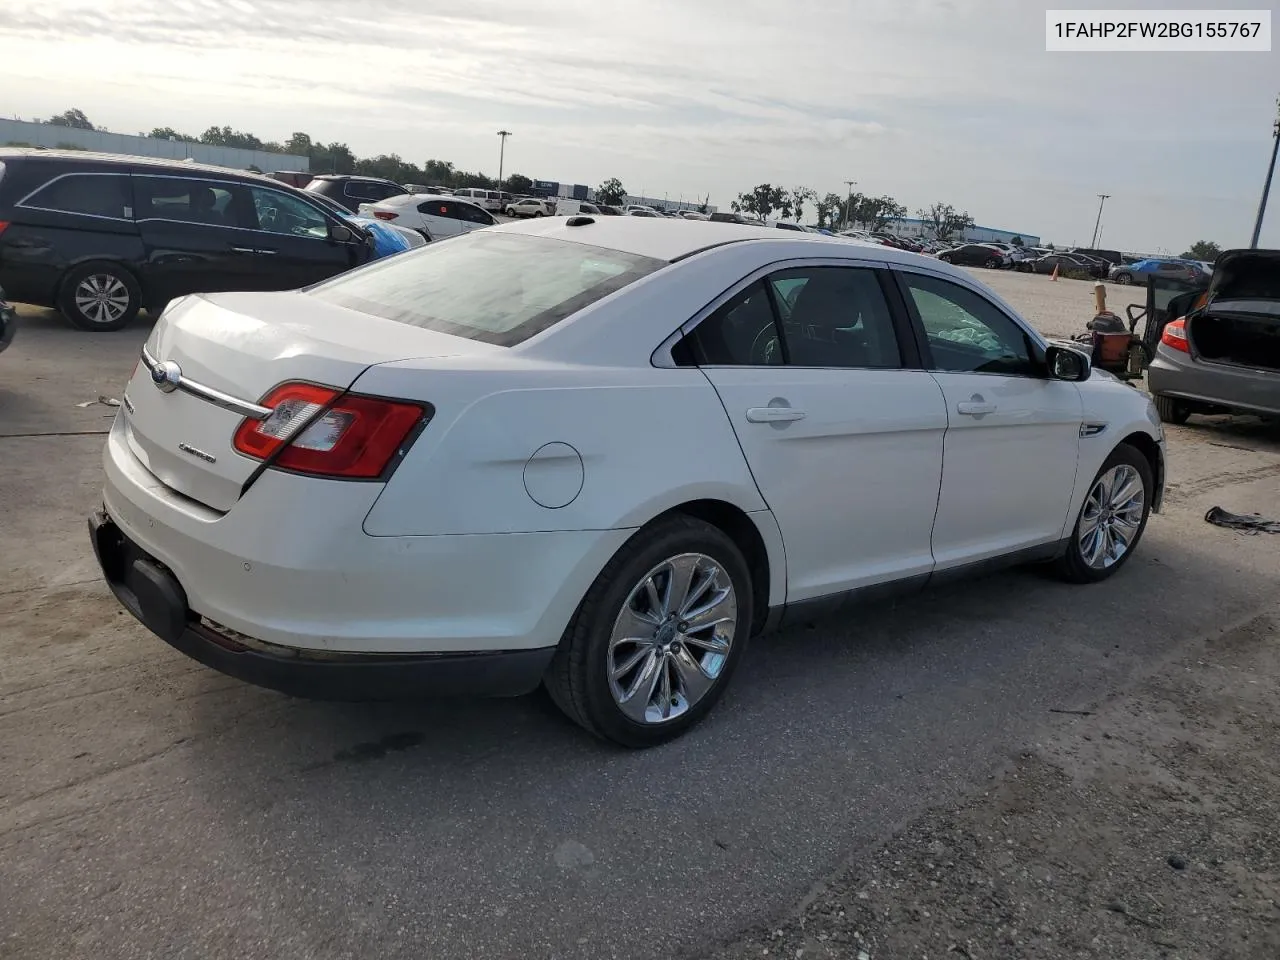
x: 150, y: 807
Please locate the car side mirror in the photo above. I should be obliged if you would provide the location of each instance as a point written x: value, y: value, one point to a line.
x: 1067, y: 364
x: 341, y: 234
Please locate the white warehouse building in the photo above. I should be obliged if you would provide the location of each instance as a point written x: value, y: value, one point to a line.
x: 912, y: 227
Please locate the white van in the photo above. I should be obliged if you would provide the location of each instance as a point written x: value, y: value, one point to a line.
x: 573, y: 208
x: 490, y: 200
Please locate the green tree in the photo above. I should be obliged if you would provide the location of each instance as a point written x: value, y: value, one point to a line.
x: 226, y: 137
x: 519, y: 183
x: 299, y: 144
x: 763, y: 200
x: 876, y: 212
x: 1017, y: 241
x: 611, y: 192
x: 439, y: 173
x: 389, y: 167
x: 72, y: 118
x: 943, y: 220
x: 830, y: 210
x: 799, y: 197
x: 168, y: 133
x: 464, y: 178
x: 332, y: 158
x: 1205, y: 250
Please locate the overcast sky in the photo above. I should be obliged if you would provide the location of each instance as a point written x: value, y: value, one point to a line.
x: 925, y: 100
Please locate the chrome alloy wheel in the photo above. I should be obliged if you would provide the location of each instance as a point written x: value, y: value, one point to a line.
x: 1111, y: 517
x: 672, y: 639
x: 102, y: 298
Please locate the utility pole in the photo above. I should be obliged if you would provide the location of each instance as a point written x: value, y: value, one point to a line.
x: 848, y: 204
x: 502, y: 153
x: 1102, y: 198
x: 1266, y: 187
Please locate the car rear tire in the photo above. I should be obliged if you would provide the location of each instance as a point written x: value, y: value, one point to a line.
x: 99, y: 296
x: 1111, y: 519
x: 1171, y: 410
x: 944, y: 258
x: 655, y: 641
x: 993, y: 264
x: 1123, y: 278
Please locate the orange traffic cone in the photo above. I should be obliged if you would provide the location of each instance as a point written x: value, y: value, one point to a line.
x: 1055, y: 272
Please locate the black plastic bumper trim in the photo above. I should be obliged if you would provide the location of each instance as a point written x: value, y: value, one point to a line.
x: 149, y: 591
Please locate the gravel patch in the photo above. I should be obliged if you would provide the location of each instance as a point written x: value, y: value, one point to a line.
x: 1147, y: 828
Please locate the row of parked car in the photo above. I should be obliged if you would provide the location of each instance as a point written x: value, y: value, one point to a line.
x: 103, y: 236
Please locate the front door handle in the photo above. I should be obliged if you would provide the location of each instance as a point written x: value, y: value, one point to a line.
x: 975, y: 406
x: 243, y: 250
x: 773, y: 414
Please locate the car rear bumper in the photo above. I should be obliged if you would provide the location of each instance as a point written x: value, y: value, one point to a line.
x: 290, y: 566
x: 1237, y: 388
x: 149, y: 591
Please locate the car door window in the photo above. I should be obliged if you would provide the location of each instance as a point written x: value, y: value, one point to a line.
x: 94, y: 195
x: 473, y: 214
x: 966, y: 332
x: 209, y: 202
x: 835, y: 317
x: 440, y: 208
x: 279, y: 213
x: 363, y: 191
x: 740, y: 333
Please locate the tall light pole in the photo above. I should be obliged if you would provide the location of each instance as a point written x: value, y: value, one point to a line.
x: 1266, y: 187
x: 1102, y: 198
x: 502, y: 153
x: 848, y: 204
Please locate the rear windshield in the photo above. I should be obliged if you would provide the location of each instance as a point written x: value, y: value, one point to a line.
x: 493, y: 287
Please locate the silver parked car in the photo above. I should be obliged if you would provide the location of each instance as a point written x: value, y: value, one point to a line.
x: 1224, y: 356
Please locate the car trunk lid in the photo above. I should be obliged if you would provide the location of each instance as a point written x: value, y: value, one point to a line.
x: 1239, y: 324
x: 231, y: 350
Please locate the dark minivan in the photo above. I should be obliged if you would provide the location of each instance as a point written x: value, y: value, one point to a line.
x: 100, y: 236
x: 351, y: 191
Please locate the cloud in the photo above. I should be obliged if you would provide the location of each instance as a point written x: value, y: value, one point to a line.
x: 923, y: 99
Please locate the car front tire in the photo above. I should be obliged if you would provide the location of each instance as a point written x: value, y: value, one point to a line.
x: 1111, y: 519
x: 99, y: 297
x: 655, y: 641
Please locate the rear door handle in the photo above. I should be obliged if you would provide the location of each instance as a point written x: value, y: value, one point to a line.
x: 265, y: 253
x: 975, y: 406
x: 773, y: 414
x: 243, y: 250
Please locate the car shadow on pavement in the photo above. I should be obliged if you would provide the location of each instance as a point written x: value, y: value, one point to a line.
x: 1008, y: 633
x: 1240, y: 432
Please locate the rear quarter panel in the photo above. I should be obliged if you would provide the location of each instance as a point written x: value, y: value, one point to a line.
x: 628, y: 444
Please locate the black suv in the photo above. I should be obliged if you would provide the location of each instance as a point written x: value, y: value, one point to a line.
x: 351, y: 191
x: 99, y: 236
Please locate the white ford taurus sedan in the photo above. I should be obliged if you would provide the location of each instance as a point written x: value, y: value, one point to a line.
x: 600, y: 454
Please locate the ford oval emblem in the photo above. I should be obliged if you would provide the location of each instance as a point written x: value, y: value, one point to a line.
x: 166, y: 376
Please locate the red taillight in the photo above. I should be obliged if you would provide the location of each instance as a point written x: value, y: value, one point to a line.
x: 385, y: 214
x: 354, y: 436
x: 1175, y: 335
x: 3, y: 224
